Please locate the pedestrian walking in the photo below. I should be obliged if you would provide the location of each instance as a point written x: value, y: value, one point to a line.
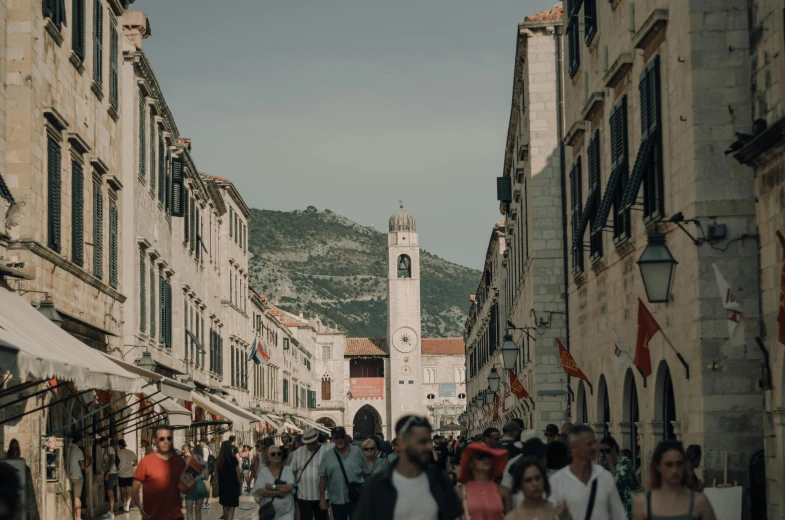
x: 157, y: 477
x: 14, y: 451
x: 77, y: 462
x: 481, y: 496
x: 341, y: 476
x: 275, y: 485
x: 209, y: 461
x: 260, y: 459
x: 286, y: 444
x: 126, y: 466
x: 396, y: 451
x: 530, y: 480
x: 227, y: 468
x: 410, y: 488
x: 551, y: 432
x: 147, y: 449
x: 588, y: 489
x: 305, y: 464
x: 194, y: 501
x: 556, y: 457
x: 245, y: 464
x: 385, y: 447
x: 693, y: 462
x: 372, y: 456
x: 511, y: 434
x: 622, y: 471
x: 10, y: 496
x: 533, y: 449
x: 491, y: 437
x: 110, y: 474
x: 668, y: 496
x: 441, y: 454
x: 567, y: 427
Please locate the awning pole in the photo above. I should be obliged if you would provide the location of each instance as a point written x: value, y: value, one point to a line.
x: 63, y: 405
x: 92, y: 413
x: 134, y: 415
x: 155, y: 417
x: 36, y: 409
x: 34, y: 394
x: 18, y: 388
x: 132, y: 404
x: 108, y: 416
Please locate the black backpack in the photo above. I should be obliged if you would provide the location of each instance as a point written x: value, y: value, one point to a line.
x: 210, y: 462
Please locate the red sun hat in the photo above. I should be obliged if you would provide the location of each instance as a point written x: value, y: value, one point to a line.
x: 498, y: 458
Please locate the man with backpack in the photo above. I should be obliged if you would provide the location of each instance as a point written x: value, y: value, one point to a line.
x: 207, y: 455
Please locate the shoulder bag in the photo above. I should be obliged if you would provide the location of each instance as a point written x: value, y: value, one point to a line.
x: 267, y: 511
x: 302, y: 471
x: 592, y: 498
x: 355, y: 488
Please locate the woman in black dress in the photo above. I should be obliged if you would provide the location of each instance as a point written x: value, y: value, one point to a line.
x: 228, y: 470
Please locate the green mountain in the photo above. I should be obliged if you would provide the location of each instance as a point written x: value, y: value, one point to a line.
x: 322, y: 263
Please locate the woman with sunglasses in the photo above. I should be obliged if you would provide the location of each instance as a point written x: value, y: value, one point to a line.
x: 276, y: 483
x: 227, y: 468
x: 371, y: 453
x: 668, y: 496
x: 483, y: 499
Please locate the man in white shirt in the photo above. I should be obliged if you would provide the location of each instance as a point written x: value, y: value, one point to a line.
x: 76, y: 466
x: 125, y: 473
x: 305, y: 462
x: 576, y: 483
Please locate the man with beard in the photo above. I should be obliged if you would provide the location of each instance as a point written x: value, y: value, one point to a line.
x: 410, y: 488
x: 341, y: 472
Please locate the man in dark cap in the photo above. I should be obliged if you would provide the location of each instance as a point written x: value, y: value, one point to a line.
x: 551, y: 432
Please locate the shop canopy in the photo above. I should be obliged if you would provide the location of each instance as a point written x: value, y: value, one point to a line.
x: 176, y: 415
x: 32, y: 346
x: 168, y: 386
x: 312, y: 424
x: 239, y: 423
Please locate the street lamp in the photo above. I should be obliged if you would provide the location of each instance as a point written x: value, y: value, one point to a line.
x: 479, y: 400
x: 489, y: 395
x: 493, y: 380
x: 47, y: 308
x: 509, y: 352
x: 146, y: 361
x: 657, y: 267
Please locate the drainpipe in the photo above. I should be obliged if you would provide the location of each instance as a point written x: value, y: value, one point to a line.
x: 563, y: 172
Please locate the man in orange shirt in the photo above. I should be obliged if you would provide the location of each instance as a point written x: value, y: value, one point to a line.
x: 158, y: 474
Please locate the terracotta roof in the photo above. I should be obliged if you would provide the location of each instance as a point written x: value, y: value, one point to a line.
x: 553, y: 13
x: 275, y: 312
x: 218, y: 179
x: 292, y: 324
x: 366, y: 347
x: 443, y: 347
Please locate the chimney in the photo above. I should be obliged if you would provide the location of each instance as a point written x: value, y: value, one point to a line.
x: 136, y: 27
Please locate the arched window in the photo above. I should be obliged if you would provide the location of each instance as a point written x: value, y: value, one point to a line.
x: 326, y: 388
x: 404, y: 267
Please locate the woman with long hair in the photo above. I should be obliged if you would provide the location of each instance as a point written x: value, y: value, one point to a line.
x: 483, y: 499
x: 371, y: 452
x: 276, y: 484
x: 227, y: 469
x: 195, y: 499
x: 669, y: 497
x: 530, y: 479
x: 14, y: 451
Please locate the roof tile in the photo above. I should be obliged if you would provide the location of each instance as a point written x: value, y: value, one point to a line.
x: 443, y: 347
x: 366, y: 347
x: 552, y: 13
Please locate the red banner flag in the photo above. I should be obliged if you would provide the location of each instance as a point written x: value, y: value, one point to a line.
x: 568, y: 363
x: 781, y: 315
x: 647, y: 327
x: 496, y: 402
x: 516, y: 386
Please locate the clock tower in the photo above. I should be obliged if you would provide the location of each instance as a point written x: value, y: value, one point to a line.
x: 404, y: 377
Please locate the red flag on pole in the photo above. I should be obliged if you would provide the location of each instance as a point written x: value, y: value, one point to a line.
x: 516, y: 386
x: 781, y: 315
x: 568, y: 363
x: 647, y: 327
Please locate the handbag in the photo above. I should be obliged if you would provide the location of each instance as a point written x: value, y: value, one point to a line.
x: 214, y: 483
x: 267, y: 511
x: 355, y: 488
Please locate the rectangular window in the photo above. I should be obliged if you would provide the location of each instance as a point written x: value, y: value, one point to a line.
x: 114, y: 67
x: 142, y: 294
x: 53, y: 188
x: 573, y: 40
x: 576, y: 204
x: 77, y: 213
x: 589, y: 20
x: 192, y: 223
x: 232, y: 367
x: 231, y: 222
x: 162, y: 298
x: 592, y: 205
x: 153, y: 314
x: 236, y: 228
x: 285, y: 390
x: 161, y: 178
x: 326, y: 352
x: 55, y: 11
x: 113, y: 243
x: 98, y: 230
x: 77, y: 31
x: 619, y: 168
x: 142, y: 140
x: 98, y: 45
x: 168, y: 339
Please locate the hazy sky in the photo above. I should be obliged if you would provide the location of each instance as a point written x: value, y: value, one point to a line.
x: 348, y: 104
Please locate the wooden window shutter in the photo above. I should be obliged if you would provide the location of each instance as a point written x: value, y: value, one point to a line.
x: 192, y: 217
x: 168, y: 314
x: 161, y: 179
x: 326, y: 390
x: 232, y: 365
x: 576, y: 205
x: 142, y: 129
x: 77, y: 28
x: 98, y: 231
x: 186, y: 214
x: 595, y: 240
x: 98, y: 44
x: 178, y: 188
x: 168, y: 167
x: 620, y: 161
x: 231, y: 222
x: 153, y: 315
x: 152, y: 153
x: 114, y: 74
x: 77, y: 213
x: 54, y: 185
x: 113, y: 243
x: 55, y: 10
x: 185, y: 327
x: 162, y: 298
x: 142, y: 294
x: 198, y: 221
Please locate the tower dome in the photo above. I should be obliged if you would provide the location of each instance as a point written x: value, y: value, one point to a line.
x: 402, y: 220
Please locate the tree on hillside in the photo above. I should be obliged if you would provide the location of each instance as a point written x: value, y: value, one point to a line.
x: 311, y: 209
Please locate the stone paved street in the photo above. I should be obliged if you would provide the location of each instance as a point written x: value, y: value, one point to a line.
x: 247, y: 510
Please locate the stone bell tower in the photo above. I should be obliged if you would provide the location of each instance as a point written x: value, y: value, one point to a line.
x: 403, y: 319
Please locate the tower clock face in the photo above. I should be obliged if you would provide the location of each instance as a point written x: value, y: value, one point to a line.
x: 405, y: 339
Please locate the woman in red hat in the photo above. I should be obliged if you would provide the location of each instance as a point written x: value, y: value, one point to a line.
x: 483, y: 498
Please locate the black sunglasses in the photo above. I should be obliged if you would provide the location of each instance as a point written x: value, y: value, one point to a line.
x: 274, y: 454
x: 482, y: 456
x: 369, y: 449
x: 165, y: 439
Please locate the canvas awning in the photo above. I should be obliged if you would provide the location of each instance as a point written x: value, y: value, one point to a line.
x: 291, y: 427
x: 176, y: 415
x: 245, y: 414
x: 168, y: 386
x: 34, y: 347
x: 312, y: 424
x: 238, y: 423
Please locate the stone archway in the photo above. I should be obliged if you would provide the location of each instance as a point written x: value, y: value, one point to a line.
x: 603, y: 406
x: 366, y: 422
x: 631, y: 416
x: 327, y: 422
x: 582, y: 411
x: 664, y: 403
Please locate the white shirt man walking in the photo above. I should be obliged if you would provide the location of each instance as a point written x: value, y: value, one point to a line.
x: 76, y: 467
x: 588, y: 490
x: 305, y: 463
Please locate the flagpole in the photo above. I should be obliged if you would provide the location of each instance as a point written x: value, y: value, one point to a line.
x: 681, y: 358
x: 766, y: 383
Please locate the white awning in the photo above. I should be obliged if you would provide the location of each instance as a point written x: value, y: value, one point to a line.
x: 291, y: 427
x: 176, y: 415
x: 167, y: 385
x: 312, y: 424
x: 238, y: 423
x: 236, y: 409
x: 45, y: 351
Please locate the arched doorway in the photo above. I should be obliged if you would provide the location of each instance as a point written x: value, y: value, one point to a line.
x: 604, y: 406
x: 665, y: 401
x: 631, y: 417
x: 366, y: 422
x: 583, y: 410
x: 326, y: 422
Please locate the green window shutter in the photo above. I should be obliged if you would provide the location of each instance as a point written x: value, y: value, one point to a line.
x: 198, y: 221
x: 114, y: 75
x: 186, y: 214
x: 161, y: 180
x: 593, y: 153
x: 98, y: 231
x: 142, y: 129
x: 162, y: 298
x: 153, y: 315
x: 152, y: 153
x: 185, y: 325
x: 231, y: 222
x: 113, y: 243
x: 54, y: 186
x: 55, y: 10
x: 168, y: 180
x: 236, y: 227
x: 77, y: 28
x: 168, y: 314
x: 178, y: 188
x: 576, y: 204
x: 192, y: 217
x: 98, y: 44
x: 77, y: 214
x: 142, y: 294
x: 232, y: 366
